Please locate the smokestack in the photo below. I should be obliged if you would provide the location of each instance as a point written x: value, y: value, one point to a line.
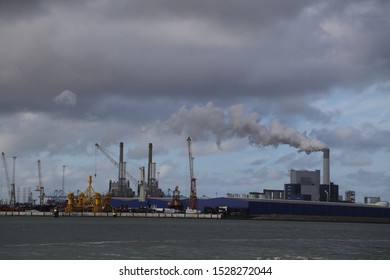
x: 325, y: 171
x: 150, y: 164
x: 121, y: 175
x: 121, y: 152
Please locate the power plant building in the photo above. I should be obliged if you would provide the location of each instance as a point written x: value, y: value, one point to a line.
x: 267, y: 194
x: 117, y: 189
x: 293, y: 192
x: 273, y: 194
x: 305, y: 185
x: 309, y: 182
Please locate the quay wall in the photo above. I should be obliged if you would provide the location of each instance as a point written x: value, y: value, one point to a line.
x: 105, y: 214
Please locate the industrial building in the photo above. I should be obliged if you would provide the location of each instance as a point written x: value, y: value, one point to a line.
x: 122, y: 188
x: 267, y: 194
x: 152, y: 188
x: 329, y: 192
x: 350, y: 196
x: 307, y: 184
x: 293, y: 192
x: 118, y: 189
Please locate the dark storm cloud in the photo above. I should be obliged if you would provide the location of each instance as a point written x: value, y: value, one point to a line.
x: 244, y: 13
x: 189, y: 51
x: 11, y: 10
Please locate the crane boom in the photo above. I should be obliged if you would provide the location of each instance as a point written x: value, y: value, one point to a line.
x: 105, y: 153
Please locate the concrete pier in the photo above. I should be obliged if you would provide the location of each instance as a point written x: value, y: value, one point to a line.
x: 110, y: 214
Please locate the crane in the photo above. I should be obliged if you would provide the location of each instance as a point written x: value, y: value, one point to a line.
x: 40, y: 188
x: 193, y: 198
x: 105, y: 153
x: 11, y: 186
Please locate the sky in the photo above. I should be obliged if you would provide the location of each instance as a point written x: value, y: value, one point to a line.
x: 261, y: 87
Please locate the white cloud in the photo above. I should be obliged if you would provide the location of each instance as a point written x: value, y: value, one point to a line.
x: 67, y: 98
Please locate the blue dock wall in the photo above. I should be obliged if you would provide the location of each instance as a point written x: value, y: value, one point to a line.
x: 317, y: 209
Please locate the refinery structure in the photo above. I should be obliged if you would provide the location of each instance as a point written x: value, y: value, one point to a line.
x: 305, y: 196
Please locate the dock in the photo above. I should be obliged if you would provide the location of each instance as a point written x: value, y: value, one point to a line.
x: 111, y: 214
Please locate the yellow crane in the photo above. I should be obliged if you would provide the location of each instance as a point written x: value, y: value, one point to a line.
x: 88, y: 201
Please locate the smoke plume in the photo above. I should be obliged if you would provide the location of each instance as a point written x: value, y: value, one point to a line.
x: 200, y: 121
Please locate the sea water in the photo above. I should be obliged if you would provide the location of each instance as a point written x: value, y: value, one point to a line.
x: 106, y: 238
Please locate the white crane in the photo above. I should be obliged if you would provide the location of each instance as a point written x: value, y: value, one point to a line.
x: 11, y: 186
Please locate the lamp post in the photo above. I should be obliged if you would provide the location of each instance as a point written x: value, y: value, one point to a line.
x: 327, y: 195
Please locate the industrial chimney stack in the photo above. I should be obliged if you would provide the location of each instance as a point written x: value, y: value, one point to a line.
x: 122, y: 173
x: 326, y: 167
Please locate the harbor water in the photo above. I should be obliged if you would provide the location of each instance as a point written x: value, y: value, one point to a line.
x: 96, y: 238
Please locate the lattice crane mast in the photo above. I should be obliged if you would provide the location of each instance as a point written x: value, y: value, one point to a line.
x: 11, y: 186
x: 40, y: 188
x: 193, y: 197
x: 105, y: 153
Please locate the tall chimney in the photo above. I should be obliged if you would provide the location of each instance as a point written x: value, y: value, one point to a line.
x: 122, y: 173
x: 325, y: 171
x: 121, y: 152
x: 120, y: 162
x: 150, y: 164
